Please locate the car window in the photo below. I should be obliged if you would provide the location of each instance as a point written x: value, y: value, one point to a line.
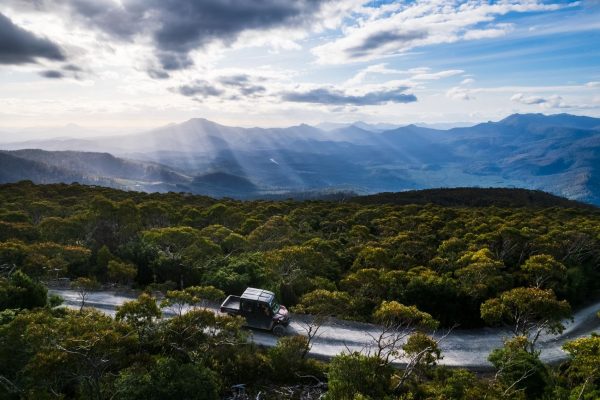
x: 275, y: 306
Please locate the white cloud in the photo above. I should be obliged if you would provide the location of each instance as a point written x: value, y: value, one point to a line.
x: 412, y: 75
x: 428, y: 76
x: 490, y: 33
x: 521, y: 98
x: 554, y: 101
x: 417, y: 24
x: 459, y: 93
x: 593, y: 84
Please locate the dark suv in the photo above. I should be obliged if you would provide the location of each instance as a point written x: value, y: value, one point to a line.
x: 259, y: 308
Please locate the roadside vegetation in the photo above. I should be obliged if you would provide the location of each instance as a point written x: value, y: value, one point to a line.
x: 409, y: 268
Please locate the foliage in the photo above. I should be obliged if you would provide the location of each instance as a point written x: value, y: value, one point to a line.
x: 543, y: 271
x: 583, y: 372
x: 20, y: 291
x: 394, y: 313
x: 403, y: 263
x: 355, y: 374
x: 167, y: 378
x: 519, y: 370
x: 447, y: 260
x: 528, y: 312
x: 139, y: 314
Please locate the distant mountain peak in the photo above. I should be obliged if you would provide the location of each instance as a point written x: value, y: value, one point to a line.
x: 555, y: 120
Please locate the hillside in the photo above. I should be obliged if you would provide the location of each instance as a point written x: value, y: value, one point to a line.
x: 559, y: 154
x: 89, y: 168
x: 473, y: 197
x: 439, y: 267
x: 14, y: 169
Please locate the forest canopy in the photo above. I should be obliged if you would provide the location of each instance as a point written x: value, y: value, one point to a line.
x: 410, y: 268
x: 445, y: 260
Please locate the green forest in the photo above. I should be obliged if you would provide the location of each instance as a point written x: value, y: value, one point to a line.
x: 369, y: 259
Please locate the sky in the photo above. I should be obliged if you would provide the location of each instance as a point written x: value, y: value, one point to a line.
x: 127, y: 65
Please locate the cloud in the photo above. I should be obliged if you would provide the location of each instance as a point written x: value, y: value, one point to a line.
x: 593, y: 84
x: 467, y: 81
x: 52, y: 74
x: 554, y: 101
x: 18, y: 46
x: 407, y: 25
x: 529, y: 100
x: 331, y: 96
x: 489, y: 33
x: 460, y: 93
x: 199, y: 88
x: 175, y: 28
x: 413, y: 74
x: 243, y: 84
x: 157, y: 74
x: 429, y: 76
x: 379, y: 41
x: 229, y: 87
x: 72, y: 68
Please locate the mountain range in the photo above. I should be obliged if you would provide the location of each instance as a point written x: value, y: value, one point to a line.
x: 557, y: 153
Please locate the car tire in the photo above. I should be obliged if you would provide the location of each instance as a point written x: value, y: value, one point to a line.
x: 278, y: 330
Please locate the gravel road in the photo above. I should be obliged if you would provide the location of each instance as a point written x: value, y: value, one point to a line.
x: 460, y: 348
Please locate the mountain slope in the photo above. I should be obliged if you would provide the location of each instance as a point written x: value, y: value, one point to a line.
x: 556, y: 153
x: 90, y: 168
x: 473, y: 197
x: 14, y: 169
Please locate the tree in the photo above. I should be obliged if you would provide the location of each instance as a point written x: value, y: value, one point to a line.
x: 421, y: 353
x: 398, y: 322
x: 103, y: 257
x: 325, y: 303
x: 177, y: 300
x: 481, y: 275
x: 543, y: 271
x: 273, y: 234
x: 67, y: 353
x: 140, y: 314
x: 121, y: 272
x: 182, y: 251
x: 201, y: 336
x: 371, y: 257
x: 288, y: 358
x: 167, y: 378
x: 367, y: 287
x: 192, y: 296
x: 519, y: 370
x: 528, y: 312
x: 205, y: 294
x: 352, y: 375
x: 19, y: 291
x: 583, y: 369
x: 84, y: 286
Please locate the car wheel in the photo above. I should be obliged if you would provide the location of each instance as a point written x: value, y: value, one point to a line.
x: 278, y: 330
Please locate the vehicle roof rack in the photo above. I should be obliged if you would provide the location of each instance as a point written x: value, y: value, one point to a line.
x: 258, y: 295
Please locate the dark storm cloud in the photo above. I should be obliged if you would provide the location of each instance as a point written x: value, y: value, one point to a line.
x: 52, y: 74
x: 199, y: 88
x: 18, y: 46
x: 122, y: 22
x: 381, y: 39
x: 176, y: 27
x: 334, y: 97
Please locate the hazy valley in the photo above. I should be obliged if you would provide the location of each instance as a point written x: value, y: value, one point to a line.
x: 557, y: 153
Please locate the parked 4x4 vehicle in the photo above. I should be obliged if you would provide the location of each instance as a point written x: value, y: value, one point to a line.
x: 260, y: 309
